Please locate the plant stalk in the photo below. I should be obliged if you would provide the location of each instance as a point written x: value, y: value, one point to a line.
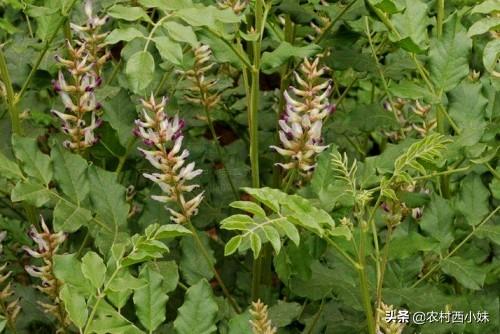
x: 363, y: 280
x: 254, y: 128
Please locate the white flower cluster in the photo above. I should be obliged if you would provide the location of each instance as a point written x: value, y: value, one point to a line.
x: 163, y: 135
x: 79, y: 119
x: 47, y: 245
x: 306, y: 108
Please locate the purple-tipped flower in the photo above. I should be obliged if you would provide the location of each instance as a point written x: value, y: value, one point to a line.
x: 306, y: 107
x: 164, y: 137
x: 82, y: 70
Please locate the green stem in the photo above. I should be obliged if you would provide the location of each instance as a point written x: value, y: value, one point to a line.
x: 99, y: 297
x: 440, y: 17
x: 254, y: 128
x: 363, y: 280
x: 156, y: 26
x: 380, y: 279
x: 122, y: 159
x: 474, y: 230
x: 205, y: 254
x: 10, y: 96
x: 381, y: 74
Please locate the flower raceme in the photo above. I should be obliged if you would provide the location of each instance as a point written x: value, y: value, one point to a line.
x: 163, y: 134
x: 307, y: 106
x: 47, y: 244
x: 83, y: 67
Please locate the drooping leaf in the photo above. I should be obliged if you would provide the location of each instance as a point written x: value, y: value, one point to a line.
x: 198, y: 313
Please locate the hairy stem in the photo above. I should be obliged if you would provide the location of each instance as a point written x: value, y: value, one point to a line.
x: 363, y: 280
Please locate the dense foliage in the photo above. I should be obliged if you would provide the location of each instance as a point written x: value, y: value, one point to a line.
x: 236, y: 166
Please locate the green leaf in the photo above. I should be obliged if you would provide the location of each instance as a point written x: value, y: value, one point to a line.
x: 9, y: 168
x: 437, y: 221
x: 267, y: 196
x: 31, y: 192
x: 150, y: 300
x: 110, y: 321
x: 273, y: 237
x: 282, y: 314
x: 486, y: 7
x: 388, y: 6
x: 139, y: 70
x: 271, y: 61
x: 489, y: 231
x: 250, y: 207
x: 490, y: 55
x: 169, y: 50
x: 166, y: 5
x: 181, y: 33
x: 239, y: 324
x: 237, y: 222
x: 406, y: 246
x: 75, y: 305
x: 193, y: 266
x: 449, y: 57
x: 69, y: 217
x: 69, y: 172
x: 255, y: 244
x: 232, y: 245
x: 465, y: 271
x: 127, y: 13
x: 483, y: 26
x: 34, y: 162
x: 170, y: 273
x: 123, y: 34
x: 197, y: 17
x: 171, y: 231
x: 94, y: 269
x: 467, y: 103
x: 67, y: 268
x: 412, y: 26
x: 411, y: 90
x: 125, y: 281
x: 473, y: 199
x: 199, y: 311
x: 108, y: 197
x: 290, y: 231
